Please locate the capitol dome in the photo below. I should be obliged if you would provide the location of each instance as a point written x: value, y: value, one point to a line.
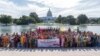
x: 49, y: 17
x: 49, y: 13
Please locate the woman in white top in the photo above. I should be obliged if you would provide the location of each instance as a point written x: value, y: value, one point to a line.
x: 12, y: 41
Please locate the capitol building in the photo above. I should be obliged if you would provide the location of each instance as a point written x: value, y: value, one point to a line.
x: 49, y: 18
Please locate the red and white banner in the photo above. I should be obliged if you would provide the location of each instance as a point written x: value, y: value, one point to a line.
x: 48, y: 43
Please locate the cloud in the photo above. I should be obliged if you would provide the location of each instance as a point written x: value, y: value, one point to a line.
x: 88, y: 4
x: 57, y: 3
x: 89, y: 7
x: 17, y: 8
x: 10, y: 8
x: 19, y: 2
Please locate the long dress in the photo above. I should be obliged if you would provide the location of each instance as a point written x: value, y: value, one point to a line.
x: 23, y: 41
x: 5, y: 41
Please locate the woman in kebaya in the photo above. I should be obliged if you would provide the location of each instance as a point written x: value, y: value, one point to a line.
x: 5, y: 40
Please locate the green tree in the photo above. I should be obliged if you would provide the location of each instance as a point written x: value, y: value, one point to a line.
x: 66, y: 20
x: 5, y: 19
x: 93, y: 21
x: 98, y: 20
x: 82, y: 19
x: 71, y: 20
x: 59, y: 19
x: 15, y: 21
x: 35, y: 17
x: 24, y: 20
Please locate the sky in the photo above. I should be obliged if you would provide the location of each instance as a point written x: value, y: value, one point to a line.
x: 17, y: 8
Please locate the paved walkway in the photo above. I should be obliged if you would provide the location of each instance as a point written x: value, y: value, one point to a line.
x: 51, y: 52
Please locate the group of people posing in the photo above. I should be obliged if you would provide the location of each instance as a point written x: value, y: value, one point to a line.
x: 67, y: 38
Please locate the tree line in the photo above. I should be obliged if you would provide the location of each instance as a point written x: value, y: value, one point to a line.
x: 33, y: 19
x: 81, y: 19
x: 23, y: 20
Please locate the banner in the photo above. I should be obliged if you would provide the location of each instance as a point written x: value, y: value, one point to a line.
x: 48, y: 43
